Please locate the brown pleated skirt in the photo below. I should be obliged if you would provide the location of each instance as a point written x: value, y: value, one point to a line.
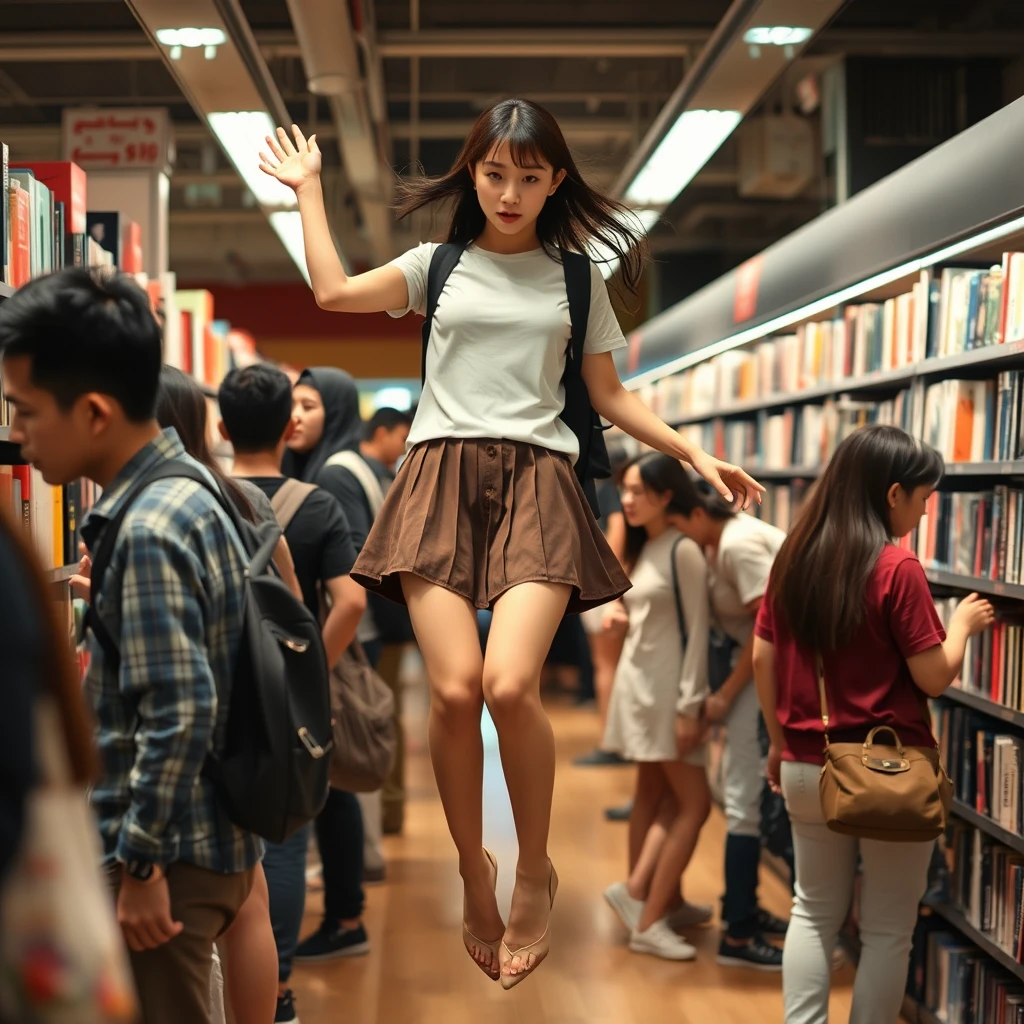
x: 479, y: 516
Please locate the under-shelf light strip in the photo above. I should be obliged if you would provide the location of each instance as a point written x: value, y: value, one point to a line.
x: 822, y: 304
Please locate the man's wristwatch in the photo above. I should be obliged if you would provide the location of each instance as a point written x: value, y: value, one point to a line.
x: 141, y: 871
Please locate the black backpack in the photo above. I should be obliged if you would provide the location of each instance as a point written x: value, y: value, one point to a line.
x: 577, y: 414
x: 271, y: 775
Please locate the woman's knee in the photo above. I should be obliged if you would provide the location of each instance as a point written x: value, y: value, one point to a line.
x: 508, y: 694
x: 458, y: 699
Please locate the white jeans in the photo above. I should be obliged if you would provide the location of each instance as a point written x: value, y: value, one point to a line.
x: 894, y: 878
x: 742, y: 765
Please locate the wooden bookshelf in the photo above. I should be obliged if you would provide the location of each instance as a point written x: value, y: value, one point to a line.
x: 980, y: 939
x: 978, y: 702
x: 997, y: 588
x: 985, y: 824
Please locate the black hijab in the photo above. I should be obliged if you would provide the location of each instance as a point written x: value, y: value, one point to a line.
x: 343, y: 426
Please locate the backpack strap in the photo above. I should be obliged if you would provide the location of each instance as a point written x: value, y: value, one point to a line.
x: 166, y: 470
x: 680, y: 617
x: 445, y: 259
x: 290, y: 497
x: 576, y: 269
x: 357, y: 466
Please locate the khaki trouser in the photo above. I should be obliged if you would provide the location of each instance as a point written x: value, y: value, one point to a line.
x: 393, y: 793
x: 173, y: 981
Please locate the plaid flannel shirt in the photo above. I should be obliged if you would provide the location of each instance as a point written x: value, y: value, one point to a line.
x: 172, y: 599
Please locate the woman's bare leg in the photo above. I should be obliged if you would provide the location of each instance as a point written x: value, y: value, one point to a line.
x: 653, y: 841
x: 446, y: 631
x: 690, y: 785
x: 250, y: 958
x: 524, y: 624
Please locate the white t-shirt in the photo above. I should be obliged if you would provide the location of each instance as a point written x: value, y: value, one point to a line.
x: 498, y: 344
x: 738, y: 572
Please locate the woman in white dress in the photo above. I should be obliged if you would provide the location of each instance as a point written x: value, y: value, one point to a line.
x: 655, y: 718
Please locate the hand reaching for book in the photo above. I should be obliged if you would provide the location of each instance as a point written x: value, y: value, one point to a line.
x: 974, y: 613
x: 292, y: 163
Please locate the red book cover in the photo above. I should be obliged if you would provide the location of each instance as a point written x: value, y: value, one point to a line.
x: 131, y: 248
x: 67, y: 182
x: 21, y: 229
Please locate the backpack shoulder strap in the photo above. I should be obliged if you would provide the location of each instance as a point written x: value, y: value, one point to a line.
x: 357, y: 466
x: 169, y: 469
x: 290, y: 497
x: 680, y: 617
x: 445, y: 259
x: 576, y: 268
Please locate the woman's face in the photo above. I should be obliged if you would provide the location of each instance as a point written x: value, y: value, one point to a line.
x: 308, y: 417
x: 641, y: 506
x: 512, y: 196
x: 906, y: 508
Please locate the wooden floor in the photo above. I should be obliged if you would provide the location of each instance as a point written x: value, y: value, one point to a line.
x: 418, y: 973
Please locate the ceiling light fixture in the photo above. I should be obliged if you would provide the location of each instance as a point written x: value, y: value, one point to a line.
x: 690, y: 143
x: 205, y: 39
x: 788, y: 37
x: 242, y: 134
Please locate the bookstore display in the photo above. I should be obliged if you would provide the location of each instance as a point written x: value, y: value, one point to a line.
x: 46, y: 225
x: 940, y: 353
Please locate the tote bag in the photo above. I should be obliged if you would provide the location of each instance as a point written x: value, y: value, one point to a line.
x: 62, y: 957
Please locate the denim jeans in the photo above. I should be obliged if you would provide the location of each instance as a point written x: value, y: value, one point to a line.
x: 285, y: 867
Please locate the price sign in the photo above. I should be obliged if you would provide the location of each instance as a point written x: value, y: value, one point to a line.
x: 122, y: 139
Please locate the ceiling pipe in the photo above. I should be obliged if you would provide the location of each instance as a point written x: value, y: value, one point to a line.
x: 329, y: 48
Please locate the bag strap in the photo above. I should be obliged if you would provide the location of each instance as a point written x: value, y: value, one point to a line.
x: 576, y: 269
x: 357, y: 466
x: 290, y: 497
x: 444, y: 260
x: 680, y: 617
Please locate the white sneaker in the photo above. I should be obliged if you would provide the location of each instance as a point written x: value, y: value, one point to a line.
x: 628, y: 909
x: 660, y: 940
x: 689, y: 915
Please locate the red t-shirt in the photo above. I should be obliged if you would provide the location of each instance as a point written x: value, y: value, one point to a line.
x: 868, y: 682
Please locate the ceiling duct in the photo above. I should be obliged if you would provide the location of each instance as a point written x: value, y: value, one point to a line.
x: 330, y: 55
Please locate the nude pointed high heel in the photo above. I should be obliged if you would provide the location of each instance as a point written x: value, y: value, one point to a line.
x: 538, y: 950
x: 469, y: 940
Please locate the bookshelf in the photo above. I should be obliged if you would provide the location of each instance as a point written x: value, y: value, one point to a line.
x: 6, y: 290
x: 995, y: 588
x: 978, y: 702
x: 980, y: 939
x: 988, y: 826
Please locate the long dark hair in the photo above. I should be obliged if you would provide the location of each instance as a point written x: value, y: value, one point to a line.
x: 661, y: 474
x: 181, y: 404
x: 577, y: 217
x: 823, y: 567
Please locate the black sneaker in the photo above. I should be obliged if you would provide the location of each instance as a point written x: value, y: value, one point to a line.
x: 769, y: 924
x: 619, y: 813
x: 286, y: 1009
x: 330, y: 941
x: 756, y: 954
x: 599, y: 758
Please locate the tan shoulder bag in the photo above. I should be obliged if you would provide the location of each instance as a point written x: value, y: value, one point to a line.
x: 874, y: 790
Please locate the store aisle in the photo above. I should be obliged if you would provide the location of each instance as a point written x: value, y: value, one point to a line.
x: 418, y: 973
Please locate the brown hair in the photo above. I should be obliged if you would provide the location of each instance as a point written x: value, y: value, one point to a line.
x: 57, y: 675
x: 576, y: 218
x: 823, y: 567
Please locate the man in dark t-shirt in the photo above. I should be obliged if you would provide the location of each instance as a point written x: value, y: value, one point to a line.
x: 256, y: 406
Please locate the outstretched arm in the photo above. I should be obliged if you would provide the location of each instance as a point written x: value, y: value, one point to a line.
x: 297, y: 165
x: 621, y: 407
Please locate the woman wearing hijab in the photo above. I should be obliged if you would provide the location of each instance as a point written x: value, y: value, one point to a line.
x: 327, y: 421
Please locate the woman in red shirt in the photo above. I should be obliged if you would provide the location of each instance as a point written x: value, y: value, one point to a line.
x: 840, y: 586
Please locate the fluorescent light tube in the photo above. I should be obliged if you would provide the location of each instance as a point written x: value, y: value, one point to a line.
x: 777, y: 35
x: 288, y: 225
x: 242, y: 134
x: 690, y: 143
x: 836, y: 298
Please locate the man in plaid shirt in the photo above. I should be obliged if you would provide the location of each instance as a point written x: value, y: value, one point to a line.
x: 81, y: 364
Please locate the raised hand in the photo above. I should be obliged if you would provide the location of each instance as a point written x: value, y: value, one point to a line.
x: 293, y: 163
x: 731, y: 482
